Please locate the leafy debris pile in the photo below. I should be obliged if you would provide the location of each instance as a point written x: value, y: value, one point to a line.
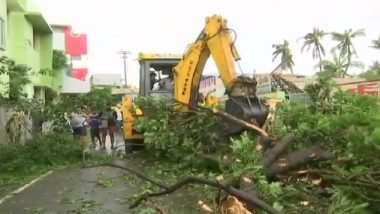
x: 321, y: 159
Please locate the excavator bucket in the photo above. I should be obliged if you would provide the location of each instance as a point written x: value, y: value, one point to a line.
x: 250, y: 109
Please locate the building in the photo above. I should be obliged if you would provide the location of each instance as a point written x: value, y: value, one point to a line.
x: 215, y: 84
x: 362, y: 88
x: 212, y: 84
x: 27, y: 38
x: 103, y: 80
x: 74, y: 78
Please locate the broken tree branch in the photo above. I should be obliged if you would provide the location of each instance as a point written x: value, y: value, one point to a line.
x: 265, y: 143
x: 229, y: 117
x: 341, y: 181
x: 169, y: 189
x: 298, y: 158
x: 138, y: 174
x: 273, y: 154
x: 252, y: 201
x: 248, y: 186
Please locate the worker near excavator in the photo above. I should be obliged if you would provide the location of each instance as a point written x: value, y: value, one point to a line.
x: 167, y: 83
x: 153, y: 79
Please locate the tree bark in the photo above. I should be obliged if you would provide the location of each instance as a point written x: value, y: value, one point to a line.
x: 248, y: 186
x: 273, y: 154
x: 246, y: 198
x: 266, y: 143
x: 298, y: 158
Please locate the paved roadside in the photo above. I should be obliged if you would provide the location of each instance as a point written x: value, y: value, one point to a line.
x: 95, y: 190
x: 75, y: 190
x: 89, y: 190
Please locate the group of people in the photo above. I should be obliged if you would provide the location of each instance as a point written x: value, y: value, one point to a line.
x: 101, y: 123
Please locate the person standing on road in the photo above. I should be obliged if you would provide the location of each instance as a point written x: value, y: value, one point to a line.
x: 108, y: 124
x: 95, y: 125
x: 78, y: 125
x: 119, y: 116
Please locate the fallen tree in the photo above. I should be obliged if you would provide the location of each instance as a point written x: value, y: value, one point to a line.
x: 324, y: 137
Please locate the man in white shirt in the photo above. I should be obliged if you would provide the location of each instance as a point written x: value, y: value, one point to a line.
x: 167, y: 84
x: 119, y: 117
x: 78, y: 125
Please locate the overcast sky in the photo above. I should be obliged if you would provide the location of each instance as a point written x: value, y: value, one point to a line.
x: 170, y: 25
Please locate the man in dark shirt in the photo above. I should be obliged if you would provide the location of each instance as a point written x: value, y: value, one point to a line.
x: 108, y: 124
x: 95, y: 124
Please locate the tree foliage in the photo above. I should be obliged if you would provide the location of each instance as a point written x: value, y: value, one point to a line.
x: 345, y: 124
x: 95, y: 100
x: 337, y: 67
x: 18, y: 79
x: 59, y: 60
x: 314, y: 40
x: 376, y: 43
x: 176, y: 134
x: 345, y: 44
x: 283, y: 50
x: 58, y: 65
x: 348, y: 124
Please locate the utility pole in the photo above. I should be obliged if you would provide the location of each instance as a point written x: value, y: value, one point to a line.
x: 124, y: 57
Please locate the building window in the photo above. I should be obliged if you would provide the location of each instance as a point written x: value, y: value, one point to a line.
x: 2, y: 34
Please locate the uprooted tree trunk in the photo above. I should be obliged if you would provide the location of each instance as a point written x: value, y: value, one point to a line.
x: 246, y: 198
x: 297, y: 159
x: 246, y: 195
x: 273, y: 154
x: 276, y: 160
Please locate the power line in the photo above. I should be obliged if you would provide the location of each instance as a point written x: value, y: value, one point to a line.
x: 124, y: 56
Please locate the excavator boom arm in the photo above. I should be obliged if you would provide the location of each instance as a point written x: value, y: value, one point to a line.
x: 215, y: 39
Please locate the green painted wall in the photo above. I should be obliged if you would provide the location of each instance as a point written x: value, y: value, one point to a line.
x: 3, y: 15
x: 58, y: 80
x: 44, y: 57
x: 17, y: 5
x: 20, y: 44
x: 29, y: 42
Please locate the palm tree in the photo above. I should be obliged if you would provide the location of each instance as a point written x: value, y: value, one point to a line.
x: 314, y: 40
x: 376, y: 43
x: 345, y: 45
x: 338, y: 66
x: 286, y: 56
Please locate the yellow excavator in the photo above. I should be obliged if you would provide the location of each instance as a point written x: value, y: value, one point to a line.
x: 217, y: 40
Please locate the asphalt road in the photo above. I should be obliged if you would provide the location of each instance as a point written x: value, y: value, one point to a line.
x: 95, y: 190
x: 74, y: 190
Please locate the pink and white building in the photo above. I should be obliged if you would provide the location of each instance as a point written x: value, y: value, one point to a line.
x: 75, y: 79
x: 212, y: 84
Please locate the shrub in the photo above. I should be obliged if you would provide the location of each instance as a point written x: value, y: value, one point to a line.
x: 43, y: 151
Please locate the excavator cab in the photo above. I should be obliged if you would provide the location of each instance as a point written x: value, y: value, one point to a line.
x: 154, y: 70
